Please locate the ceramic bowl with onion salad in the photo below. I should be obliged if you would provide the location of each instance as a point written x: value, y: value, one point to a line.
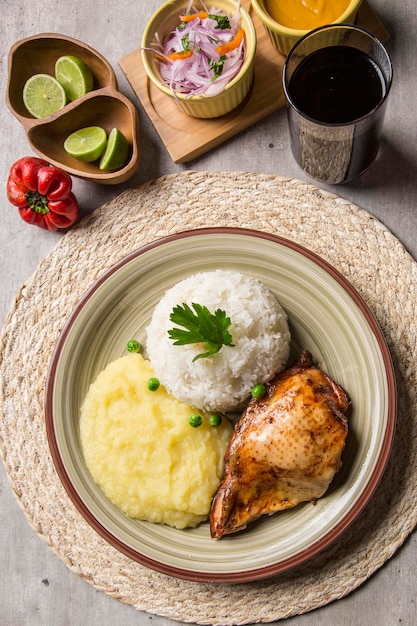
x: 201, y: 55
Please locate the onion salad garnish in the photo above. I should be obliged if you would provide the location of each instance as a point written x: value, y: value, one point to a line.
x: 204, y: 52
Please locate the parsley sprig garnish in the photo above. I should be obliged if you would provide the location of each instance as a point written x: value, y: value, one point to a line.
x: 200, y: 326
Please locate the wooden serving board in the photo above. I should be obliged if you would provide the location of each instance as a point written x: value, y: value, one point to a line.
x: 187, y: 138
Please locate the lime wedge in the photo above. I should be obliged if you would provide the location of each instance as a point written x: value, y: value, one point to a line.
x: 74, y: 75
x: 86, y: 144
x: 43, y: 95
x: 117, y: 151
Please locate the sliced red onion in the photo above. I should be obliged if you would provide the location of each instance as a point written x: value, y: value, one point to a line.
x: 194, y: 75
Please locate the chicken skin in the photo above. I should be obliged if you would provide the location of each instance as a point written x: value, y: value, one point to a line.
x: 285, y: 449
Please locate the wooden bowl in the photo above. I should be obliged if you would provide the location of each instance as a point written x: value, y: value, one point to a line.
x: 103, y: 106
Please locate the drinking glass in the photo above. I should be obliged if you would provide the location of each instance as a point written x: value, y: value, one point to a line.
x: 336, y: 81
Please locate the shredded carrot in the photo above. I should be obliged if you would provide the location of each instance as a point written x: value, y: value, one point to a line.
x: 194, y: 16
x: 231, y: 45
x: 178, y: 56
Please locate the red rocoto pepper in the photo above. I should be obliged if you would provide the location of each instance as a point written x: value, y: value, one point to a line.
x: 42, y: 193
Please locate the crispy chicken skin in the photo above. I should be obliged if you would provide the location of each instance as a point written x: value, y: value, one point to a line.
x: 286, y: 448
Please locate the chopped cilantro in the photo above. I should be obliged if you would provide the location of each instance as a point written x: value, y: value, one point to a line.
x: 185, y: 41
x: 217, y: 66
x: 222, y: 21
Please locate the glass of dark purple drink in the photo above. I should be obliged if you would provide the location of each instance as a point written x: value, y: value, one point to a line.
x: 336, y: 81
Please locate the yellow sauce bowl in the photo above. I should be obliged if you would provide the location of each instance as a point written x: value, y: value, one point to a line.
x: 283, y: 38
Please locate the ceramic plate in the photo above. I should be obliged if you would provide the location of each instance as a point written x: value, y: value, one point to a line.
x: 327, y: 316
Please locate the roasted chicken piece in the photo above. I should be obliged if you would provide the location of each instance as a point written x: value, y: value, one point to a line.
x: 285, y: 449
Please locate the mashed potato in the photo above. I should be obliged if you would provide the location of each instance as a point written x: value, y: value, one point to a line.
x: 141, y: 450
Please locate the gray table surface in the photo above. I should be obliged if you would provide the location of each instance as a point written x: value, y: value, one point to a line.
x: 36, y: 588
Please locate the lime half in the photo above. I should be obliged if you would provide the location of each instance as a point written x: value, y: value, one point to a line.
x: 43, y: 95
x: 117, y: 151
x: 86, y: 144
x: 74, y: 75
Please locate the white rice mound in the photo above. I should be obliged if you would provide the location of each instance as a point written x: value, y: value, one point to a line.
x: 260, y: 334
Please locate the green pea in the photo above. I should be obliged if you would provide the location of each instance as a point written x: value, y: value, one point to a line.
x: 195, y: 420
x: 258, y: 391
x: 153, y: 384
x: 133, y: 346
x: 215, y: 419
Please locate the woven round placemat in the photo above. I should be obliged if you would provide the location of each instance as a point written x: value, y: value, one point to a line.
x: 353, y: 241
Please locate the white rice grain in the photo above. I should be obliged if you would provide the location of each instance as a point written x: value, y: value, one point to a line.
x: 259, y: 330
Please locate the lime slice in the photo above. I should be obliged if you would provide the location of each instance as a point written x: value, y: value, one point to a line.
x: 43, y: 95
x: 86, y: 144
x: 117, y: 151
x: 74, y: 75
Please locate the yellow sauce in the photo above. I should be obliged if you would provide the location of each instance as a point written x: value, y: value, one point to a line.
x: 305, y: 14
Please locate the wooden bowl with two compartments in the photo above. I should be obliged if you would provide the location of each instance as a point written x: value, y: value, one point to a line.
x: 103, y: 106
